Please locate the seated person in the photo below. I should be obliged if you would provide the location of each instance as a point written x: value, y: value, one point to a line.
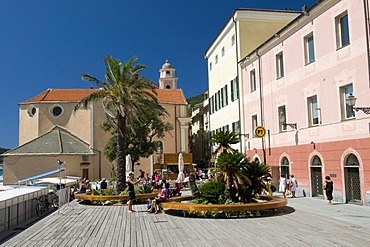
x: 161, y: 198
x: 177, y: 190
x: 82, y: 189
x: 103, y: 184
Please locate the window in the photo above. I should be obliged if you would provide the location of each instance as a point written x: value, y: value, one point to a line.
x: 233, y: 39
x: 222, y: 98
x: 56, y: 110
x: 210, y: 66
x: 313, y: 111
x: 309, y: 49
x: 279, y: 65
x: 219, y: 99
x: 216, y: 59
x: 213, y: 104
x: 346, y: 109
x: 216, y: 102
x: 252, y: 78
x: 236, y: 126
x: 223, y: 51
x: 282, y: 118
x: 31, y: 111
x: 85, y: 158
x: 234, y: 89
x: 254, y: 124
x: 226, y: 96
x: 342, y: 30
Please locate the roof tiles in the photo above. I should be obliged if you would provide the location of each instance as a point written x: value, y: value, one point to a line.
x: 70, y: 95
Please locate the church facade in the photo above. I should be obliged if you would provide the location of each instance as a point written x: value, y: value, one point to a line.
x: 50, y: 130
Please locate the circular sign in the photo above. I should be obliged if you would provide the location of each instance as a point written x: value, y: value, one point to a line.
x: 260, y: 131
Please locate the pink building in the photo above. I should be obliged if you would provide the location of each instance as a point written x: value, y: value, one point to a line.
x: 298, y: 85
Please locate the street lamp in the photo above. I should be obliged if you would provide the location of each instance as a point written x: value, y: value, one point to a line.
x: 351, y: 101
x: 282, y: 120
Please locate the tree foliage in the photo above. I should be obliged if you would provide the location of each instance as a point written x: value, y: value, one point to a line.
x: 125, y: 97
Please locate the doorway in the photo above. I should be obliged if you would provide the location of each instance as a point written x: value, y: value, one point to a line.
x: 316, y: 177
x: 352, y: 180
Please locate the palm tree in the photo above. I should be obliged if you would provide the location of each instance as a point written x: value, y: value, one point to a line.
x: 255, y: 172
x: 125, y: 96
x: 230, y: 170
x: 224, y: 139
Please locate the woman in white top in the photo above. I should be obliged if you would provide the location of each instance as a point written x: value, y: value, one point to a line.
x: 293, y: 185
x: 282, y: 184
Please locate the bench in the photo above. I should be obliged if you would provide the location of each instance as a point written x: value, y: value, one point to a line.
x: 113, y: 197
x: 270, y: 202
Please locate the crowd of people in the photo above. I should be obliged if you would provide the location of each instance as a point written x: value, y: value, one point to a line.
x: 286, y: 186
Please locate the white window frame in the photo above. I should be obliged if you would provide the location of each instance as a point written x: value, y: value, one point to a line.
x: 282, y: 111
x: 279, y: 65
x: 254, y: 120
x: 340, y: 28
x: 252, y: 79
x: 346, y: 109
x: 309, y: 48
x: 313, y: 111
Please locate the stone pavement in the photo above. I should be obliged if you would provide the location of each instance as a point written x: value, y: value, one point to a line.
x: 304, y: 222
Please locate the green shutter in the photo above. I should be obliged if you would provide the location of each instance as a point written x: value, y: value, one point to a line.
x: 232, y: 90
x: 226, y: 94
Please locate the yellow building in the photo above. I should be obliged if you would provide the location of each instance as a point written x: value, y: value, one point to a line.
x: 243, y: 32
x: 50, y: 130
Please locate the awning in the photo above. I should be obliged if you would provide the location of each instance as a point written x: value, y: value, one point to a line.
x: 41, y: 175
x: 66, y: 181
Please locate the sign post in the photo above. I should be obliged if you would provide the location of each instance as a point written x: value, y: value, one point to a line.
x: 260, y: 132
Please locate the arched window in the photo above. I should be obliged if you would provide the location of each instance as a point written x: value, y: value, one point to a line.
x: 316, y: 161
x: 352, y: 160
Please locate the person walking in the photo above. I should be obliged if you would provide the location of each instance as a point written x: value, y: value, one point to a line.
x: 131, y: 190
x: 282, y: 185
x: 293, y: 185
x: 328, y: 187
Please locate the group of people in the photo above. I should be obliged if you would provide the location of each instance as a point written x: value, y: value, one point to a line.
x: 285, y: 185
x: 292, y: 185
x: 85, y: 185
x: 154, y: 204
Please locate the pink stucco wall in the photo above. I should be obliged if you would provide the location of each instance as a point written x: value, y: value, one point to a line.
x: 333, y: 68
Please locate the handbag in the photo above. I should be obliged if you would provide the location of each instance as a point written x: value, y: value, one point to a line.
x: 324, y: 186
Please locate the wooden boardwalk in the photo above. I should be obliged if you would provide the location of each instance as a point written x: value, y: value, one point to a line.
x: 82, y: 225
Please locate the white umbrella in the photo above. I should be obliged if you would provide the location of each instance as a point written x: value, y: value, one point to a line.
x: 181, y: 175
x: 128, y: 164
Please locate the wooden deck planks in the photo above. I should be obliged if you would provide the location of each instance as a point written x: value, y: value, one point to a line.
x: 114, y: 226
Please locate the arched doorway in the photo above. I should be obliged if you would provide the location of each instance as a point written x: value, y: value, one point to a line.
x: 316, y: 176
x: 352, y: 179
x: 284, y: 168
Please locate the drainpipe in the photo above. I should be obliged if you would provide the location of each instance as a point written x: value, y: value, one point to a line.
x: 261, y: 103
x: 366, y: 15
x: 241, y: 140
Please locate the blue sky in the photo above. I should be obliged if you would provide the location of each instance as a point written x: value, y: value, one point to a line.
x: 50, y: 43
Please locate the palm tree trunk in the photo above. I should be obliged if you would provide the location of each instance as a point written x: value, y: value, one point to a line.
x: 121, y: 154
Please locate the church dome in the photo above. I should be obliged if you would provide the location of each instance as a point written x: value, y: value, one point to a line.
x: 166, y: 65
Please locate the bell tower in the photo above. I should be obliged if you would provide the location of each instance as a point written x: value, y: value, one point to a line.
x: 167, y: 78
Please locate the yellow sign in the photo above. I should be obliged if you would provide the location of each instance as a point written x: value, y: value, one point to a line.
x: 260, y: 131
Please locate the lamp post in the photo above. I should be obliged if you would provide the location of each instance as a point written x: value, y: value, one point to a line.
x: 351, y: 101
